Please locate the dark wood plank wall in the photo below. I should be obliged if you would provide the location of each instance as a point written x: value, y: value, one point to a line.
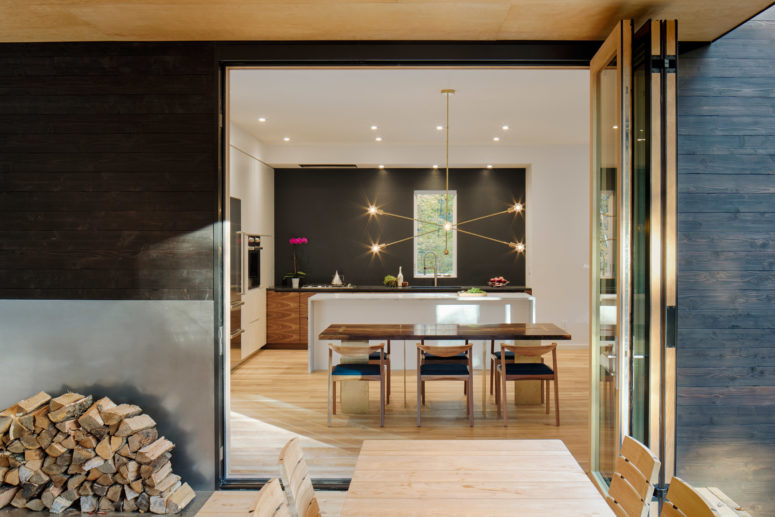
x: 726, y: 279
x: 108, y: 160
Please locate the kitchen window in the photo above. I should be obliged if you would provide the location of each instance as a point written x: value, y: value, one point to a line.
x: 431, y: 214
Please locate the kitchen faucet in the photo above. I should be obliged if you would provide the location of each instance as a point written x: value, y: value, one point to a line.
x: 435, y: 267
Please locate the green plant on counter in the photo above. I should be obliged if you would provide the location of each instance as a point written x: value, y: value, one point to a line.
x: 390, y: 281
x: 475, y: 290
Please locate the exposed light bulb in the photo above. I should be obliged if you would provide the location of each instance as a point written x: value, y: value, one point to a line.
x: 376, y: 247
x: 372, y: 209
x: 520, y: 247
x: 262, y: 119
x: 615, y: 126
x: 439, y: 128
x: 517, y: 207
x: 447, y: 226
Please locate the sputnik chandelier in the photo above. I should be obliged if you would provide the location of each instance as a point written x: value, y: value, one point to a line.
x: 447, y: 226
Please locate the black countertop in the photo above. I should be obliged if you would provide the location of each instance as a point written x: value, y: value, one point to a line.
x: 409, y: 289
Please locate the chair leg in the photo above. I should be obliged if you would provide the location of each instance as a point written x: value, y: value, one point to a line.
x: 492, y: 372
x: 387, y: 396
x: 333, y: 401
x: 497, y: 391
x: 504, y: 403
x: 382, y: 389
x: 423, y: 393
x: 542, y: 391
x: 470, y: 400
x: 556, y: 399
x: 419, y: 405
x: 329, y: 398
x: 547, y: 395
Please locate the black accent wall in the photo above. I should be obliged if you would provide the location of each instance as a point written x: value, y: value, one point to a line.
x: 726, y: 277
x: 108, y: 170
x: 329, y: 208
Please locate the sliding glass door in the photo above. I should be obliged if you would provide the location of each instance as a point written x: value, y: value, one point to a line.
x: 632, y: 130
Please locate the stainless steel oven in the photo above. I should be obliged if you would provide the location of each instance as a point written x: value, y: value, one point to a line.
x: 253, y: 244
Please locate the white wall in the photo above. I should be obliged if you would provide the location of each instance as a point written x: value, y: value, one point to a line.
x: 252, y: 181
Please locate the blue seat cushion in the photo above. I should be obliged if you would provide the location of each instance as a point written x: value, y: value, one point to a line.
x: 356, y: 369
x: 509, y: 355
x: 374, y: 356
x: 528, y: 369
x: 444, y: 369
x: 431, y: 357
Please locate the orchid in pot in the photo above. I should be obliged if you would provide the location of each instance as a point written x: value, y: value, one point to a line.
x: 296, y: 275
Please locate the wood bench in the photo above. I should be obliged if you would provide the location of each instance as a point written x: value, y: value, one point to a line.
x: 230, y: 503
x: 723, y: 505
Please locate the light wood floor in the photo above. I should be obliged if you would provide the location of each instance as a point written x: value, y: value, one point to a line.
x: 273, y: 399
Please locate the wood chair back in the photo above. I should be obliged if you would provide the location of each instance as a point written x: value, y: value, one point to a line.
x: 684, y: 501
x: 635, y: 473
x: 272, y: 501
x: 297, y: 481
x: 354, y: 349
x: 445, y: 351
x: 532, y: 351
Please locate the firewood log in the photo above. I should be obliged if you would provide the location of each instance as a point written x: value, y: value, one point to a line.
x: 135, y: 424
x: 7, y: 493
x: 180, y: 498
x: 34, y: 402
x: 71, y: 411
x: 142, y: 438
x: 150, y: 452
x: 116, y: 414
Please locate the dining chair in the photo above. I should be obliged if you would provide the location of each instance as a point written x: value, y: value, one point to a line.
x: 495, y: 358
x: 297, y: 482
x: 362, y: 370
x: 272, y: 501
x: 684, y: 501
x: 632, y: 484
x: 437, y: 359
x: 514, y: 371
x: 374, y: 359
x: 437, y: 370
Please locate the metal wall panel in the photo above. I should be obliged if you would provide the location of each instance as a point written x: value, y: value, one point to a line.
x: 156, y: 354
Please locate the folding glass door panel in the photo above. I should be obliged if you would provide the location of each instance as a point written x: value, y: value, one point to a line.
x: 609, y: 262
x: 633, y: 236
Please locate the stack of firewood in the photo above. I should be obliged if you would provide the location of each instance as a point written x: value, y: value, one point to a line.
x: 73, y: 452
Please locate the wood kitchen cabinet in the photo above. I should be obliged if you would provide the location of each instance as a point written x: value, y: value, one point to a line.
x: 286, y: 318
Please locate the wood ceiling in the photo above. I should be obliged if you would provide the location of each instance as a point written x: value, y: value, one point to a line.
x: 308, y: 20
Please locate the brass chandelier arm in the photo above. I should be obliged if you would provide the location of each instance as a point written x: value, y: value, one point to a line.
x: 485, y: 237
x: 382, y: 212
x: 407, y: 238
x: 508, y: 210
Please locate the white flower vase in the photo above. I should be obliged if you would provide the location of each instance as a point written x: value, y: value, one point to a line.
x: 295, y: 282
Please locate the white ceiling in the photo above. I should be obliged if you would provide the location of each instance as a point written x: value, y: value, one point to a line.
x: 336, y: 108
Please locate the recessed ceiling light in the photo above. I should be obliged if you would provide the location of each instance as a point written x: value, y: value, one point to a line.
x: 616, y: 127
x: 381, y: 166
x: 373, y: 128
x: 262, y: 119
x: 489, y: 166
x: 439, y: 128
x: 286, y: 139
x: 496, y: 139
x: 435, y: 166
x: 505, y: 127
x: 378, y: 139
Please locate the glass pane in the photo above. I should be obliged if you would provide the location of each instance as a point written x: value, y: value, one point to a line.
x: 435, y: 244
x: 641, y: 194
x: 606, y: 153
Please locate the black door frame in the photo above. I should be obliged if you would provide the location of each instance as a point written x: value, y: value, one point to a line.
x: 335, y: 54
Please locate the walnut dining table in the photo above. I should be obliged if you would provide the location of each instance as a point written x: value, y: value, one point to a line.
x: 441, y: 332
x: 470, y: 478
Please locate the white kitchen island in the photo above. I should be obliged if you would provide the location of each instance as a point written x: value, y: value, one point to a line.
x: 404, y: 307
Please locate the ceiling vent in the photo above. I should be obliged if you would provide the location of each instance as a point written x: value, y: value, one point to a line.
x: 328, y: 166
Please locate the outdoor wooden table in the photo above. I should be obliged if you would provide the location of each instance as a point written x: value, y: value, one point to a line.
x: 470, y: 477
x: 421, y: 332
